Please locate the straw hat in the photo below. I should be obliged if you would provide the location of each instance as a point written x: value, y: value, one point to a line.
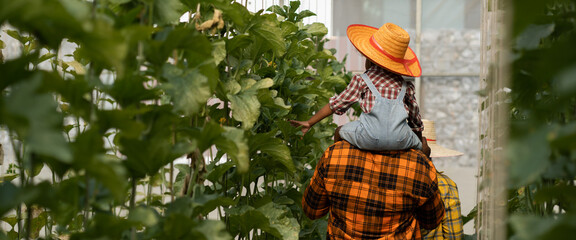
x: 387, y: 47
x: 436, y: 150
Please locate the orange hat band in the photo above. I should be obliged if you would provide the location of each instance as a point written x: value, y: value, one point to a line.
x: 405, y: 62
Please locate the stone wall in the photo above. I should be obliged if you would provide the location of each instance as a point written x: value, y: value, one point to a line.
x: 451, y: 102
x: 450, y: 62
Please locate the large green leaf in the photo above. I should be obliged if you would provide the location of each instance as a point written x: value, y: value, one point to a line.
x: 189, y: 89
x: 128, y: 91
x: 213, y: 230
x: 528, y: 157
x: 32, y: 15
x: 35, y: 118
x: 275, y: 148
x: 104, y: 226
x: 244, y: 104
x: 111, y: 173
x: 270, y: 34
x: 529, y: 227
x: 203, y: 204
x: 237, y: 14
x: 271, y: 217
x: 12, y: 195
x: 317, y: 29
x: 154, y: 149
x: 102, y: 44
x: 144, y: 215
x: 219, y: 51
x: 236, y: 147
x: 532, y: 36
x: 168, y: 11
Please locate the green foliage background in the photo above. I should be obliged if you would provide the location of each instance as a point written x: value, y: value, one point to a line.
x: 542, y: 141
x: 144, y: 89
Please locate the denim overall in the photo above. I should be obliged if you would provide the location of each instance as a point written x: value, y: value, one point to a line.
x: 385, y: 127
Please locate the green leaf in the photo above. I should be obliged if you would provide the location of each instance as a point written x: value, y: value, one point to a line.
x: 528, y: 156
x: 278, y: 10
x: 111, y: 173
x: 268, y: 143
x: 538, y: 227
x: 35, y: 118
x: 104, y: 226
x: 219, y: 51
x: 272, y: 218
x: 203, y: 203
x: 236, y: 147
x: 217, y: 171
x: 237, y: 44
x: 13, y: 195
x: 8, y: 177
x: 119, y: 1
x: 128, y: 91
x: 237, y: 14
x: 189, y: 89
x: 304, y: 14
x: 294, y: 5
x: 270, y: 34
x: 122, y: 120
x: 11, y: 220
x: 564, y: 83
x: 168, y: 11
x: 280, y: 223
x: 565, y: 194
x: 152, y: 150
x: 288, y: 28
x: 144, y: 215
x: 213, y: 230
x: 104, y: 45
x: 245, y: 105
x: 37, y: 223
x: 532, y: 35
x: 178, y: 226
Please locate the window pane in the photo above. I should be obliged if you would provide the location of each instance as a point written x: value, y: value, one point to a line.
x: 451, y: 14
x: 371, y: 12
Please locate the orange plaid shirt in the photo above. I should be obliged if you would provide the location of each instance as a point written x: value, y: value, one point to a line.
x: 385, y: 195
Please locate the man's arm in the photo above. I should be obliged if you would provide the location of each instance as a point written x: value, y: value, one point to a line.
x: 430, y: 214
x: 315, y: 202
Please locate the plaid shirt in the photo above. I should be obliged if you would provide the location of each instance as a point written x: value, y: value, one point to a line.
x: 451, y: 226
x: 385, y: 195
x: 389, y: 84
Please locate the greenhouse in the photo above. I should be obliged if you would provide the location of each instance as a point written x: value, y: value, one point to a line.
x: 204, y: 119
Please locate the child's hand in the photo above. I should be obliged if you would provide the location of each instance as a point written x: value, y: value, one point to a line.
x: 304, y: 124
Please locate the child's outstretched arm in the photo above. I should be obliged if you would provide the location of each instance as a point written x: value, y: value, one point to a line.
x: 306, y: 125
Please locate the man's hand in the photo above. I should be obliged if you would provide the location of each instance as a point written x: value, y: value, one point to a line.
x: 304, y: 124
x: 425, y: 148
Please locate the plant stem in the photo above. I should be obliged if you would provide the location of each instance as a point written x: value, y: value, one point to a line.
x: 172, y: 194
x: 86, y: 201
x: 132, y: 206
x: 17, y: 152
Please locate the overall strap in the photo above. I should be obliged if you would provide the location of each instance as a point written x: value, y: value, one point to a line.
x: 371, y: 86
x: 400, y: 97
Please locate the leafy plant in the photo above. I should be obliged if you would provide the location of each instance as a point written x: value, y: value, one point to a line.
x: 542, y: 130
x: 141, y: 90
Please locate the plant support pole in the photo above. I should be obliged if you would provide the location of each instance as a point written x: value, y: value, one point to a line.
x: 418, y: 80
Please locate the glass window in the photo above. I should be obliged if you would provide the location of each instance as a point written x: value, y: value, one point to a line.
x: 451, y: 14
x: 371, y: 12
